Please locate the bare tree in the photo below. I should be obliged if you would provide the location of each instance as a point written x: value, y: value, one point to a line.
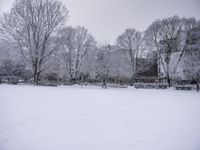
x: 78, y: 43
x: 68, y: 48
x: 168, y: 33
x: 32, y: 24
x: 167, y: 36
x: 187, y: 24
x: 103, y: 63
x: 131, y: 40
x: 192, y: 56
x: 152, y: 40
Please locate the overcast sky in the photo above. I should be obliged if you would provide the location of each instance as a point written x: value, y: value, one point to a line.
x: 106, y: 19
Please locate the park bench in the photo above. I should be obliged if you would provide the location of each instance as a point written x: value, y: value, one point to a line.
x: 183, y: 87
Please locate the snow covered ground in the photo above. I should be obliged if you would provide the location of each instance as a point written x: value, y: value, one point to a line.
x: 74, y: 118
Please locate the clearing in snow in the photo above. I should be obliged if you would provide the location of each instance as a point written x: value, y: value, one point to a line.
x: 90, y: 118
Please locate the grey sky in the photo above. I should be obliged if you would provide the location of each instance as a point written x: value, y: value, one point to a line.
x: 106, y: 19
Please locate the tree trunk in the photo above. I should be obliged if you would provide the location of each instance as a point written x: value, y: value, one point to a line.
x: 169, y: 81
x: 35, y: 73
x: 35, y: 78
x: 133, y: 75
x: 132, y: 80
x: 104, y: 84
x: 197, y: 86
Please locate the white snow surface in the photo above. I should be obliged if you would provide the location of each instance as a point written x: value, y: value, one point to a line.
x: 91, y: 118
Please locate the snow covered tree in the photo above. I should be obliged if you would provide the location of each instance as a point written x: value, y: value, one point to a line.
x: 13, y: 68
x: 169, y: 30
x: 167, y: 36
x: 103, y: 64
x: 131, y: 40
x: 78, y: 43
x: 32, y: 24
x: 7, y: 68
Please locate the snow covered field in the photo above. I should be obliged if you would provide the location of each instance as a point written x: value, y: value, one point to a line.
x: 74, y: 118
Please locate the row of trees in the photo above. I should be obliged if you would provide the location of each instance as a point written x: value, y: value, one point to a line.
x: 38, y: 30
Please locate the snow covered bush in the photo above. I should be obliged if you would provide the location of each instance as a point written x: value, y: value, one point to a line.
x: 13, y: 80
x: 151, y: 85
x: 117, y: 86
x: 184, y: 87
